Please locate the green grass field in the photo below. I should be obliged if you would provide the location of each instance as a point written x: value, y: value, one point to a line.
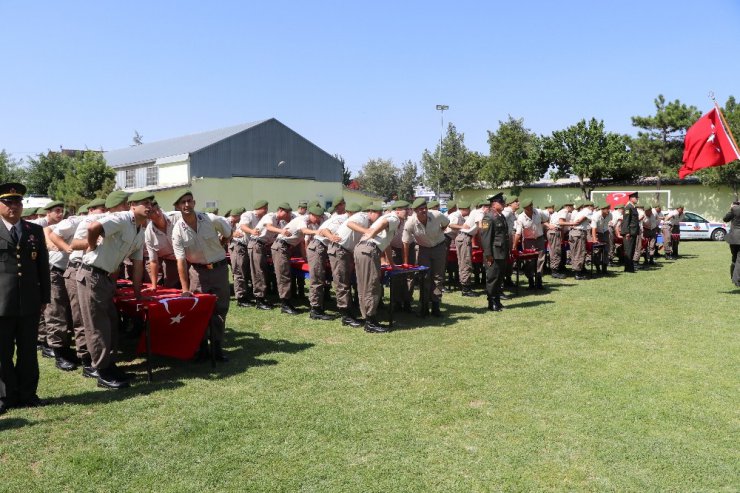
x: 626, y: 383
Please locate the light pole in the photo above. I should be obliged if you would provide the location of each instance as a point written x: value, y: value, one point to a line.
x: 441, y: 108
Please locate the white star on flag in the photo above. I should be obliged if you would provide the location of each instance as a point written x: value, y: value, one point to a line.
x: 176, y: 319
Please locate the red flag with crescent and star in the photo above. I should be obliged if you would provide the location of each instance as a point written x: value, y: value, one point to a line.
x: 708, y: 143
x: 617, y: 198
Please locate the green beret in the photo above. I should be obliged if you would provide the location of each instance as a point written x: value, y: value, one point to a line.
x: 236, y: 211
x: 285, y: 206
x: 587, y: 203
x: 316, y: 210
x: 139, y: 196
x: 512, y: 199
x: 52, y: 204
x: 28, y: 211
x: 567, y: 202
x: 259, y: 204
x: 388, y: 207
x: 116, y: 198
x: 210, y: 210
x: 181, y: 195
x: 550, y: 205
x: 432, y: 204
x: 373, y: 207
x: 400, y: 204
x: 95, y: 203
x: 525, y: 202
x: 227, y: 213
x: 463, y: 205
x: 337, y: 200
x: 302, y: 203
x: 451, y: 204
x: 620, y: 206
x: 679, y: 206
x: 353, y: 207
x: 604, y: 205
x: 83, y: 209
x: 419, y: 202
x: 483, y: 202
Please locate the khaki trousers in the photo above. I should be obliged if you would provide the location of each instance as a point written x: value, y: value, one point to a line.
x: 78, y: 327
x: 367, y: 268
x: 535, y: 266
x: 436, y: 259
x: 342, y: 263
x: 281, y: 262
x: 240, y: 269
x: 213, y: 281
x: 258, y: 267
x: 95, y: 291
x: 555, y: 241
x: 464, y: 246
x: 577, y: 249
x: 317, y: 258
x: 601, y: 256
x: 58, y: 314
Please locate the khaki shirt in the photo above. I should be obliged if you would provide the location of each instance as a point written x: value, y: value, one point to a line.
x: 202, y: 246
x: 673, y: 218
x: 529, y: 227
x: 510, y: 217
x: 457, y: 219
x: 578, y: 219
x: 650, y: 222
x: 249, y: 219
x: 65, y: 229
x: 268, y: 237
x: 332, y: 224
x: 295, y: 227
x: 81, y: 234
x: 350, y: 237
x: 472, y: 222
x: 383, y: 239
x: 616, y: 217
x: 429, y: 235
x: 159, y: 243
x: 122, y: 239
x: 600, y: 222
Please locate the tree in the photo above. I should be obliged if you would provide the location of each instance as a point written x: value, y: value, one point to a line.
x: 588, y: 152
x: 729, y: 174
x: 458, y: 167
x: 10, y: 169
x: 46, y: 169
x: 346, y: 173
x: 516, y: 156
x: 658, y: 148
x: 408, y: 179
x: 379, y: 176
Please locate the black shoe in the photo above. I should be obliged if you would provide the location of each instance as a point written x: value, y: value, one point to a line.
x: 107, y: 380
x: 373, y: 327
x: 350, y: 322
x: 288, y: 308
x: 407, y: 307
x: 33, y: 401
x: 120, y: 374
x: 88, y: 371
x: 466, y: 291
x: 494, y: 305
x: 538, y: 282
x: 318, y: 314
x: 218, y: 352
x: 435, y: 309
x: 397, y: 306
x: 580, y: 276
x: 263, y: 304
x: 62, y: 361
x: 47, y: 352
x: 531, y: 286
x: 244, y: 303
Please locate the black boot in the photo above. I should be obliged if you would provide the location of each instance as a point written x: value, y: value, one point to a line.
x: 435, y: 309
x: 467, y: 292
x: 244, y: 303
x: 495, y: 304
x: 348, y: 319
x: 109, y: 379
x: 203, y: 353
x: 538, y: 282
x: 218, y: 352
x: 63, y: 360
x: 372, y: 326
x: 531, y: 286
x: 263, y: 304
x: 46, y: 351
x: 490, y: 303
x: 318, y: 313
x: 88, y: 371
x: 407, y: 307
x: 286, y: 307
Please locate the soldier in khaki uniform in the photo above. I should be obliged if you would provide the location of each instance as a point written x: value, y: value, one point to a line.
x: 158, y: 242
x: 557, y: 231
x: 530, y: 230
x: 198, y: 241
x: 600, y: 233
x: 24, y: 283
x: 266, y: 230
x: 123, y: 234
x: 247, y: 222
x: 581, y: 220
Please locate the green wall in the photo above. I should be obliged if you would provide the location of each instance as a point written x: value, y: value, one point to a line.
x: 705, y: 201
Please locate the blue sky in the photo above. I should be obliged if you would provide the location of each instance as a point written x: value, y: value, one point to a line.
x: 360, y: 79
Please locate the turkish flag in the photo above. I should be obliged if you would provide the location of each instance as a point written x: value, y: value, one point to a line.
x: 617, y: 198
x: 707, y: 144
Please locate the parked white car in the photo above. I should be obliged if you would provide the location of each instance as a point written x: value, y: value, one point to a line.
x: 695, y: 227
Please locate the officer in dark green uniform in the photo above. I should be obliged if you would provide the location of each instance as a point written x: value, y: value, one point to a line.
x: 495, y: 239
x: 630, y: 230
x: 26, y: 288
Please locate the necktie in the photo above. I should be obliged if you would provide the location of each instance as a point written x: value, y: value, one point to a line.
x: 14, y: 235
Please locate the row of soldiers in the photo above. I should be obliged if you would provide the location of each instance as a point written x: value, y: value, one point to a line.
x: 186, y: 249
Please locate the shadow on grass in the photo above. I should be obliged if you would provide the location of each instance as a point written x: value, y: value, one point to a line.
x: 12, y: 423
x: 525, y: 304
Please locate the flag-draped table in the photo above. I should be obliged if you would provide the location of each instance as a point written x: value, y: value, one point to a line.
x: 174, y: 324
x: 518, y: 257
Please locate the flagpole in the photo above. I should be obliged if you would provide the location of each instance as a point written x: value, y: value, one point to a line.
x: 727, y: 128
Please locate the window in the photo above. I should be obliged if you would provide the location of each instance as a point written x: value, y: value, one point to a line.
x: 152, y: 175
x: 130, y: 178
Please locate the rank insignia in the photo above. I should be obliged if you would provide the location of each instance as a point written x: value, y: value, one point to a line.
x: 34, y: 255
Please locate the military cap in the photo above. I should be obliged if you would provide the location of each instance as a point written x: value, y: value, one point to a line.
x: 353, y: 207
x: 619, y: 206
x: 83, y: 209
x: 549, y: 204
x: 587, y: 203
x: 210, y: 210
x: 388, y: 206
x: 679, y: 206
x: 181, y: 195
x: 451, y: 204
x: 568, y: 202
x: 633, y: 194
x: 337, y: 200
x: 95, y: 203
x: 285, y: 206
x: 372, y: 207
x: 52, y: 204
x: 12, y: 191
x: 604, y: 205
x: 482, y: 202
x: 115, y: 198
x: 512, y: 199
x: 499, y: 197
x: 237, y: 211
x: 316, y: 210
x: 28, y: 211
x: 432, y: 204
x: 139, y: 196
x: 40, y: 211
x: 525, y: 202
x: 303, y: 203
x: 419, y: 202
x: 227, y: 213
x: 399, y: 204
x: 259, y: 204
x: 366, y: 203
x: 463, y: 205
